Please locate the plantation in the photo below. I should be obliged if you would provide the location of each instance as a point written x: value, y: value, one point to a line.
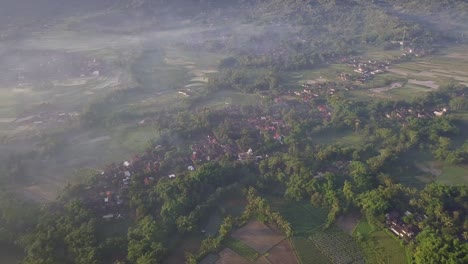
x: 338, y: 246
x: 308, y: 253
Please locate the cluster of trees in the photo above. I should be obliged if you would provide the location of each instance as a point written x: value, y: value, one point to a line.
x: 257, y: 208
x: 212, y: 244
x: 64, y: 236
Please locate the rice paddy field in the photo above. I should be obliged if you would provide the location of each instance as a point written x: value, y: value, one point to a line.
x: 308, y: 253
x: 50, y: 80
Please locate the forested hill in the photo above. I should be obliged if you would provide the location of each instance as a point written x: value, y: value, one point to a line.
x: 343, y: 24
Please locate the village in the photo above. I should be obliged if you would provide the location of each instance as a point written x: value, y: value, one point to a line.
x: 108, y: 196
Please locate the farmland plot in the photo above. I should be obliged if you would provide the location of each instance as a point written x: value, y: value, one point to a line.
x: 228, y: 256
x: 258, y: 236
x: 338, y: 246
x: 308, y: 253
x: 282, y: 253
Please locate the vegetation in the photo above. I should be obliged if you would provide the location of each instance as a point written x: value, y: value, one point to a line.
x: 308, y: 253
x: 338, y: 246
x: 242, y: 249
x: 378, y: 245
x: 307, y: 145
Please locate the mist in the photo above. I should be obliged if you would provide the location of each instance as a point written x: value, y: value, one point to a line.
x: 87, y: 85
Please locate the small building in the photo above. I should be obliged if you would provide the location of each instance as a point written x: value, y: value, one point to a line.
x: 172, y: 176
x: 398, y: 227
x: 191, y: 168
x: 246, y: 156
x: 108, y: 216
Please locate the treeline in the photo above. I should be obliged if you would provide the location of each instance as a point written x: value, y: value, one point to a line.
x: 257, y: 208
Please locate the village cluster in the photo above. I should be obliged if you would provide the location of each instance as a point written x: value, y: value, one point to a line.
x: 396, y: 225
x: 109, y: 194
x: 405, y: 112
x: 367, y: 70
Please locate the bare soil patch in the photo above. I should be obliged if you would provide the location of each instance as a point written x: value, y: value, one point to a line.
x: 262, y: 260
x: 282, y: 253
x: 228, y: 256
x: 456, y: 55
x: 348, y: 222
x: 258, y: 236
x: 431, y: 168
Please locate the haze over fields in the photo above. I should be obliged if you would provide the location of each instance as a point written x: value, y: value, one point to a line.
x: 151, y: 118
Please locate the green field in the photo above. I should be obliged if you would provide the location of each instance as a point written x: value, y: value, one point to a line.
x: 378, y: 246
x: 345, y: 137
x: 221, y: 99
x: 214, y: 222
x: 337, y: 245
x: 10, y: 254
x: 241, y: 249
x: 452, y: 174
x: 308, y: 253
x: 303, y: 217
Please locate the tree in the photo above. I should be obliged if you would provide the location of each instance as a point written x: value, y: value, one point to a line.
x: 434, y: 248
x: 144, y: 244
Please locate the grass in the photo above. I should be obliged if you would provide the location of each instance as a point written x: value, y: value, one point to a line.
x: 452, y: 174
x: 379, y: 54
x: 303, y: 217
x: 344, y: 137
x: 417, y: 180
x: 386, y: 79
x: 407, y: 171
x: 408, y: 92
x: 223, y: 98
x: 242, y: 249
x: 214, y: 222
x: 378, y: 246
x: 308, y: 253
x: 135, y: 139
